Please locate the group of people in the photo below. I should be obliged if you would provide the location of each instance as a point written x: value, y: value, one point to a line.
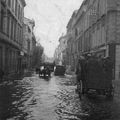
x: 96, y: 70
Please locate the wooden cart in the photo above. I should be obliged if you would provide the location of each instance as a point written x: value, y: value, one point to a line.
x: 97, y: 80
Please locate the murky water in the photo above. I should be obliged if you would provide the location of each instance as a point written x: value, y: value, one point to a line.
x: 34, y: 98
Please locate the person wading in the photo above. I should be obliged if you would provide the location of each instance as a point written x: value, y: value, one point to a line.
x: 80, y: 71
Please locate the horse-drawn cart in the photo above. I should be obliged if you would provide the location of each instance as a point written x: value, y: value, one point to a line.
x: 98, y: 79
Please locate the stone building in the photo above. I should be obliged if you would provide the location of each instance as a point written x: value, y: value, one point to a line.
x: 71, y: 56
x: 56, y: 55
x: 96, y: 28
x: 63, y: 46
x: 11, y: 34
x: 29, y: 41
x: 60, y: 52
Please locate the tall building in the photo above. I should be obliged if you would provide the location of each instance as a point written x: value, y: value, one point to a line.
x: 96, y: 28
x: 11, y: 34
x: 29, y: 41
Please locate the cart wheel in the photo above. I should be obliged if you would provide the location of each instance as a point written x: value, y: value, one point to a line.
x: 80, y: 88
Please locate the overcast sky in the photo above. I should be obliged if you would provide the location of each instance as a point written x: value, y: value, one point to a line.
x: 51, y: 18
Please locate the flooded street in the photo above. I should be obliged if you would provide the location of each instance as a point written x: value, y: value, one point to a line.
x: 34, y: 98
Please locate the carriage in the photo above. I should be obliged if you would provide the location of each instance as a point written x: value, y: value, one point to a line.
x: 98, y: 79
x: 44, y: 71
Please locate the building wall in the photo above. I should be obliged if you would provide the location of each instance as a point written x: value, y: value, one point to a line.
x: 117, y: 62
x: 11, y: 33
x: 29, y: 32
x: 116, y: 82
x: 95, y: 27
x: 118, y: 26
x: 56, y: 59
x: 29, y: 39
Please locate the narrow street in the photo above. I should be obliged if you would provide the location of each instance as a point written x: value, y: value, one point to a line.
x: 34, y: 98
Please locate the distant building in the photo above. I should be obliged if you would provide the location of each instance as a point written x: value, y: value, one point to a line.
x: 60, y: 52
x: 47, y: 59
x: 29, y: 42
x: 11, y: 34
x: 56, y: 57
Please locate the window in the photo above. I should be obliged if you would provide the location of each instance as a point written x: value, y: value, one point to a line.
x: 19, y: 12
x: 11, y: 28
x: 21, y: 35
x: 8, y: 23
x: 15, y: 31
x: 76, y: 32
x: 2, y: 20
x: 12, y: 5
x: 18, y: 33
x: 9, y: 3
x: 29, y: 30
x: 16, y: 7
x: 103, y: 21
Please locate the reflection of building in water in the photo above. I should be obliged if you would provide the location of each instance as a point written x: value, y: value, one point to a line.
x: 11, y: 34
x: 95, y: 27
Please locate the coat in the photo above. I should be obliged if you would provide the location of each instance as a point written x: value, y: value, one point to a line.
x: 80, y: 70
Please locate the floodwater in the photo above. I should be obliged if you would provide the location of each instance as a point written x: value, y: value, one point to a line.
x: 34, y: 98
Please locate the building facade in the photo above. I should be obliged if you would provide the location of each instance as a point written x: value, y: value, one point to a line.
x: 95, y: 28
x: 60, y: 52
x: 57, y: 55
x: 71, y: 42
x: 29, y: 42
x: 11, y: 34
